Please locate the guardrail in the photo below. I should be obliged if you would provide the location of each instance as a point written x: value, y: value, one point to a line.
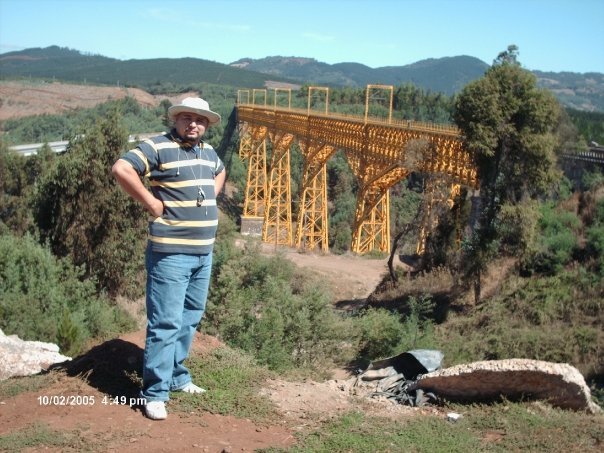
x: 60, y: 146
x: 594, y: 155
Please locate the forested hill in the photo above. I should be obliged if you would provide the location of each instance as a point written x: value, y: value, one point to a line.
x: 441, y: 75
x: 446, y: 75
x: 154, y: 75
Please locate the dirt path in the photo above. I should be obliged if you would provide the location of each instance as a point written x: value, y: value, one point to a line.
x: 351, y: 277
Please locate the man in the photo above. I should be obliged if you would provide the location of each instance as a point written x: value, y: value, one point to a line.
x: 185, y: 176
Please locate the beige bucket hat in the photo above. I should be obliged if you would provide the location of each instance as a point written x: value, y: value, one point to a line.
x: 194, y: 105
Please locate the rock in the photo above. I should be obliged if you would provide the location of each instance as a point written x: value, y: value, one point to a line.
x: 453, y: 416
x: 560, y: 384
x: 22, y: 358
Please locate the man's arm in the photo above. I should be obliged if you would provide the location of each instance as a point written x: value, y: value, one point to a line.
x: 219, y: 181
x: 129, y: 180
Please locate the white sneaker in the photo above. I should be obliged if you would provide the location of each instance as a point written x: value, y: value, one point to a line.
x: 156, y: 410
x: 192, y: 388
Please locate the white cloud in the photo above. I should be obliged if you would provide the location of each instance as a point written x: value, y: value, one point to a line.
x: 226, y: 27
x: 318, y: 37
x: 158, y: 13
x: 168, y: 15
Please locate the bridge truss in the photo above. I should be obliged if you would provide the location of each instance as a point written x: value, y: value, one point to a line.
x: 376, y: 150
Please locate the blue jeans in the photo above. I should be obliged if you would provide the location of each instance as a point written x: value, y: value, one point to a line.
x: 177, y: 289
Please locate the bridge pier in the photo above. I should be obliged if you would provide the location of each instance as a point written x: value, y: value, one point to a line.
x: 252, y: 146
x: 251, y: 226
x: 312, y: 228
x: 371, y: 230
x: 277, y: 226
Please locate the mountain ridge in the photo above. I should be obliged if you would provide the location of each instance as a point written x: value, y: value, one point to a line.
x: 434, y: 74
x: 447, y: 75
x: 153, y: 75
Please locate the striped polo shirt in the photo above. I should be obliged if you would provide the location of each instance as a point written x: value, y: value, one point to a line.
x: 183, y: 178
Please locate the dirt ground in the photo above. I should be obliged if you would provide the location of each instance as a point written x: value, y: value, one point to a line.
x: 352, y: 277
x: 116, y: 427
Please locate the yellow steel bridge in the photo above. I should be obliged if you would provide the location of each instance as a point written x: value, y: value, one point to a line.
x: 376, y: 150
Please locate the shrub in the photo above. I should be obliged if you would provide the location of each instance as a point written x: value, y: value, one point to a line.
x: 43, y: 298
x: 265, y: 306
x: 556, y: 318
x: 599, y: 214
x: 18, y: 176
x: 381, y: 333
x: 557, y: 242
x: 595, y: 245
x: 591, y: 180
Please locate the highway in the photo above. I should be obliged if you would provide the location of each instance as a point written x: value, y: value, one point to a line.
x: 61, y: 146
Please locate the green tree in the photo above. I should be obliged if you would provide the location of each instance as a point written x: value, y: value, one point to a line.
x: 83, y: 214
x: 162, y: 111
x: 589, y: 124
x: 509, y: 125
x: 342, y: 189
x: 12, y: 190
x: 18, y: 177
x: 595, y: 236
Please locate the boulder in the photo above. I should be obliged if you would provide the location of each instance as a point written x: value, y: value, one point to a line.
x: 22, y: 358
x: 560, y: 384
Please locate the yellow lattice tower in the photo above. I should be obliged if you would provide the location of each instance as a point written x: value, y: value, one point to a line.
x: 449, y: 158
x: 428, y: 220
x: 245, y: 135
x: 450, y: 165
x: 376, y: 89
x: 287, y: 91
x: 277, y: 226
x: 312, y: 228
x: 453, y: 195
x: 245, y: 141
x: 259, y: 91
x: 243, y: 97
x: 252, y: 146
x: 319, y: 90
x: 371, y: 229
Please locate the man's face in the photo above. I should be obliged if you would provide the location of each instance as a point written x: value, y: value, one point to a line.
x: 190, y: 126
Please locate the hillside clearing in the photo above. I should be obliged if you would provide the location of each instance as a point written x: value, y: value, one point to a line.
x: 20, y: 99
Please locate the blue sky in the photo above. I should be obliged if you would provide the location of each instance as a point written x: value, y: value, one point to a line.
x: 552, y: 35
